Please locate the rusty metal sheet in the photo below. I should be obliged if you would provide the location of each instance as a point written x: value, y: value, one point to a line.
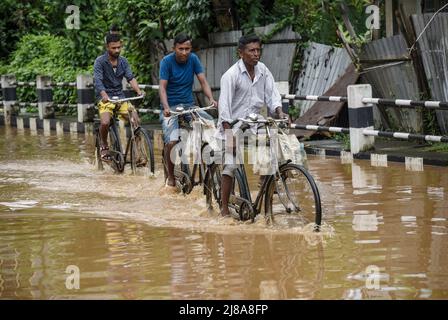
x: 325, y: 113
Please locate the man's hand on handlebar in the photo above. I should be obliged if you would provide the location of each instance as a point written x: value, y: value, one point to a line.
x: 104, y: 97
x: 166, y: 112
x: 282, y: 115
x: 214, y: 103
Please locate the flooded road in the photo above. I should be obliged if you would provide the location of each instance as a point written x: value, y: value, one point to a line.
x: 385, y: 233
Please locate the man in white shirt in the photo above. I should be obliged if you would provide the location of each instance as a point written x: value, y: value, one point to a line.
x: 246, y: 87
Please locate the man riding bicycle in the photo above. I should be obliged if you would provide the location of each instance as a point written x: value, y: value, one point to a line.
x: 108, y: 72
x: 177, y: 71
x: 246, y: 87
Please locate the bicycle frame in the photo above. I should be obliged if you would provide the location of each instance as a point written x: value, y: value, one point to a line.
x: 257, y: 204
x: 191, y: 174
x: 133, y: 127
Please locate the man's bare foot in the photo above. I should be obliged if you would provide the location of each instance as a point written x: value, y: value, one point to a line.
x: 166, y: 190
x: 170, y: 182
x: 224, y: 213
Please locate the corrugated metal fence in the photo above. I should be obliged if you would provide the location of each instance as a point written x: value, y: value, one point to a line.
x: 323, y: 65
x: 433, y: 50
x: 278, y: 55
x: 392, y: 76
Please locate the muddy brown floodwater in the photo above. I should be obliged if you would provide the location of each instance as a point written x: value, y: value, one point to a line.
x: 385, y: 234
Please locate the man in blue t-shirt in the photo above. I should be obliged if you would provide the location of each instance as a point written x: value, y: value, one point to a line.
x: 177, y: 71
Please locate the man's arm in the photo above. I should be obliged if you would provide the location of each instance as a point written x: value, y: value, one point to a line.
x: 134, y: 85
x: 273, y: 98
x: 164, y: 98
x: 130, y: 77
x: 206, y: 89
x: 98, y: 81
x: 225, y: 101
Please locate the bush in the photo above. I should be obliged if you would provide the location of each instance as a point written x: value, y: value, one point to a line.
x: 43, y: 55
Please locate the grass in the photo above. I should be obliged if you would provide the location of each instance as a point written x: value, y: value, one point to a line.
x: 344, y: 139
x: 437, y: 147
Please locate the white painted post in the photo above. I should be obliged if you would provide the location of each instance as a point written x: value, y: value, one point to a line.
x: 47, y: 127
x: 9, y: 91
x: 59, y: 127
x: 283, y: 88
x: 33, y: 125
x: 44, y: 97
x: 86, y: 97
x: 360, y: 117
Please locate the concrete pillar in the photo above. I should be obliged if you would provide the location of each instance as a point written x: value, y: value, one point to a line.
x: 283, y: 88
x: 44, y: 97
x: 74, y: 128
x: 20, y: 124
x: 9, y: 96
x: 33, y: 125
x: 47, y: 127
x: 86, y: 98
x: 360, y: 117
x: 59, y: 127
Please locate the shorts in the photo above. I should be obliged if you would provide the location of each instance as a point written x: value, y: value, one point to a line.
x: 110, y: 107
x: 170, y: 125
x: 231, y: 166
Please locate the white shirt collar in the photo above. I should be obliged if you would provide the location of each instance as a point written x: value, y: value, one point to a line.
x: 258, y: 71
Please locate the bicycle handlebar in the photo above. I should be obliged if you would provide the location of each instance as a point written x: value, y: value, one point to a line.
x: 126, y: 99
x: 261, y: 121
x: 195, y: 109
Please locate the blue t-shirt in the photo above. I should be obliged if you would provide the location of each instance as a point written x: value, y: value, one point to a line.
x: 180, y: 77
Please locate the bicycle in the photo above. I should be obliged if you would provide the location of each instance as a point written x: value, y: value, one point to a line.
x: 293, y: 185
x: 187, y: 178
x: 139, y: 147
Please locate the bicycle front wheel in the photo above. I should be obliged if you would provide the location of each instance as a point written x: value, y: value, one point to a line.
x: 212, y: 186
x: 295, y: 193
x: 115, y: 150
x: 142, y: 153
x: 98, y: 162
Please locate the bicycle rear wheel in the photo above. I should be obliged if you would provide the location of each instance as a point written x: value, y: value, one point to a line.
x: 142, y: 153
x: 295, y: 193
x: 212, y: 190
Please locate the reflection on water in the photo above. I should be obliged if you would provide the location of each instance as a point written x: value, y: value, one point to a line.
x: 386, y: 233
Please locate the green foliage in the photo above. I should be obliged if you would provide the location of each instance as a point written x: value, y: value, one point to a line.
x: 430, y: 124
x: 250, y: 14
x: 43, y: 55
x: 23, y: 17
x: 48, y: 47
x: 190, y: 16
x: 344, y: 139
x: 437, y: 147
x: 87, y: 42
